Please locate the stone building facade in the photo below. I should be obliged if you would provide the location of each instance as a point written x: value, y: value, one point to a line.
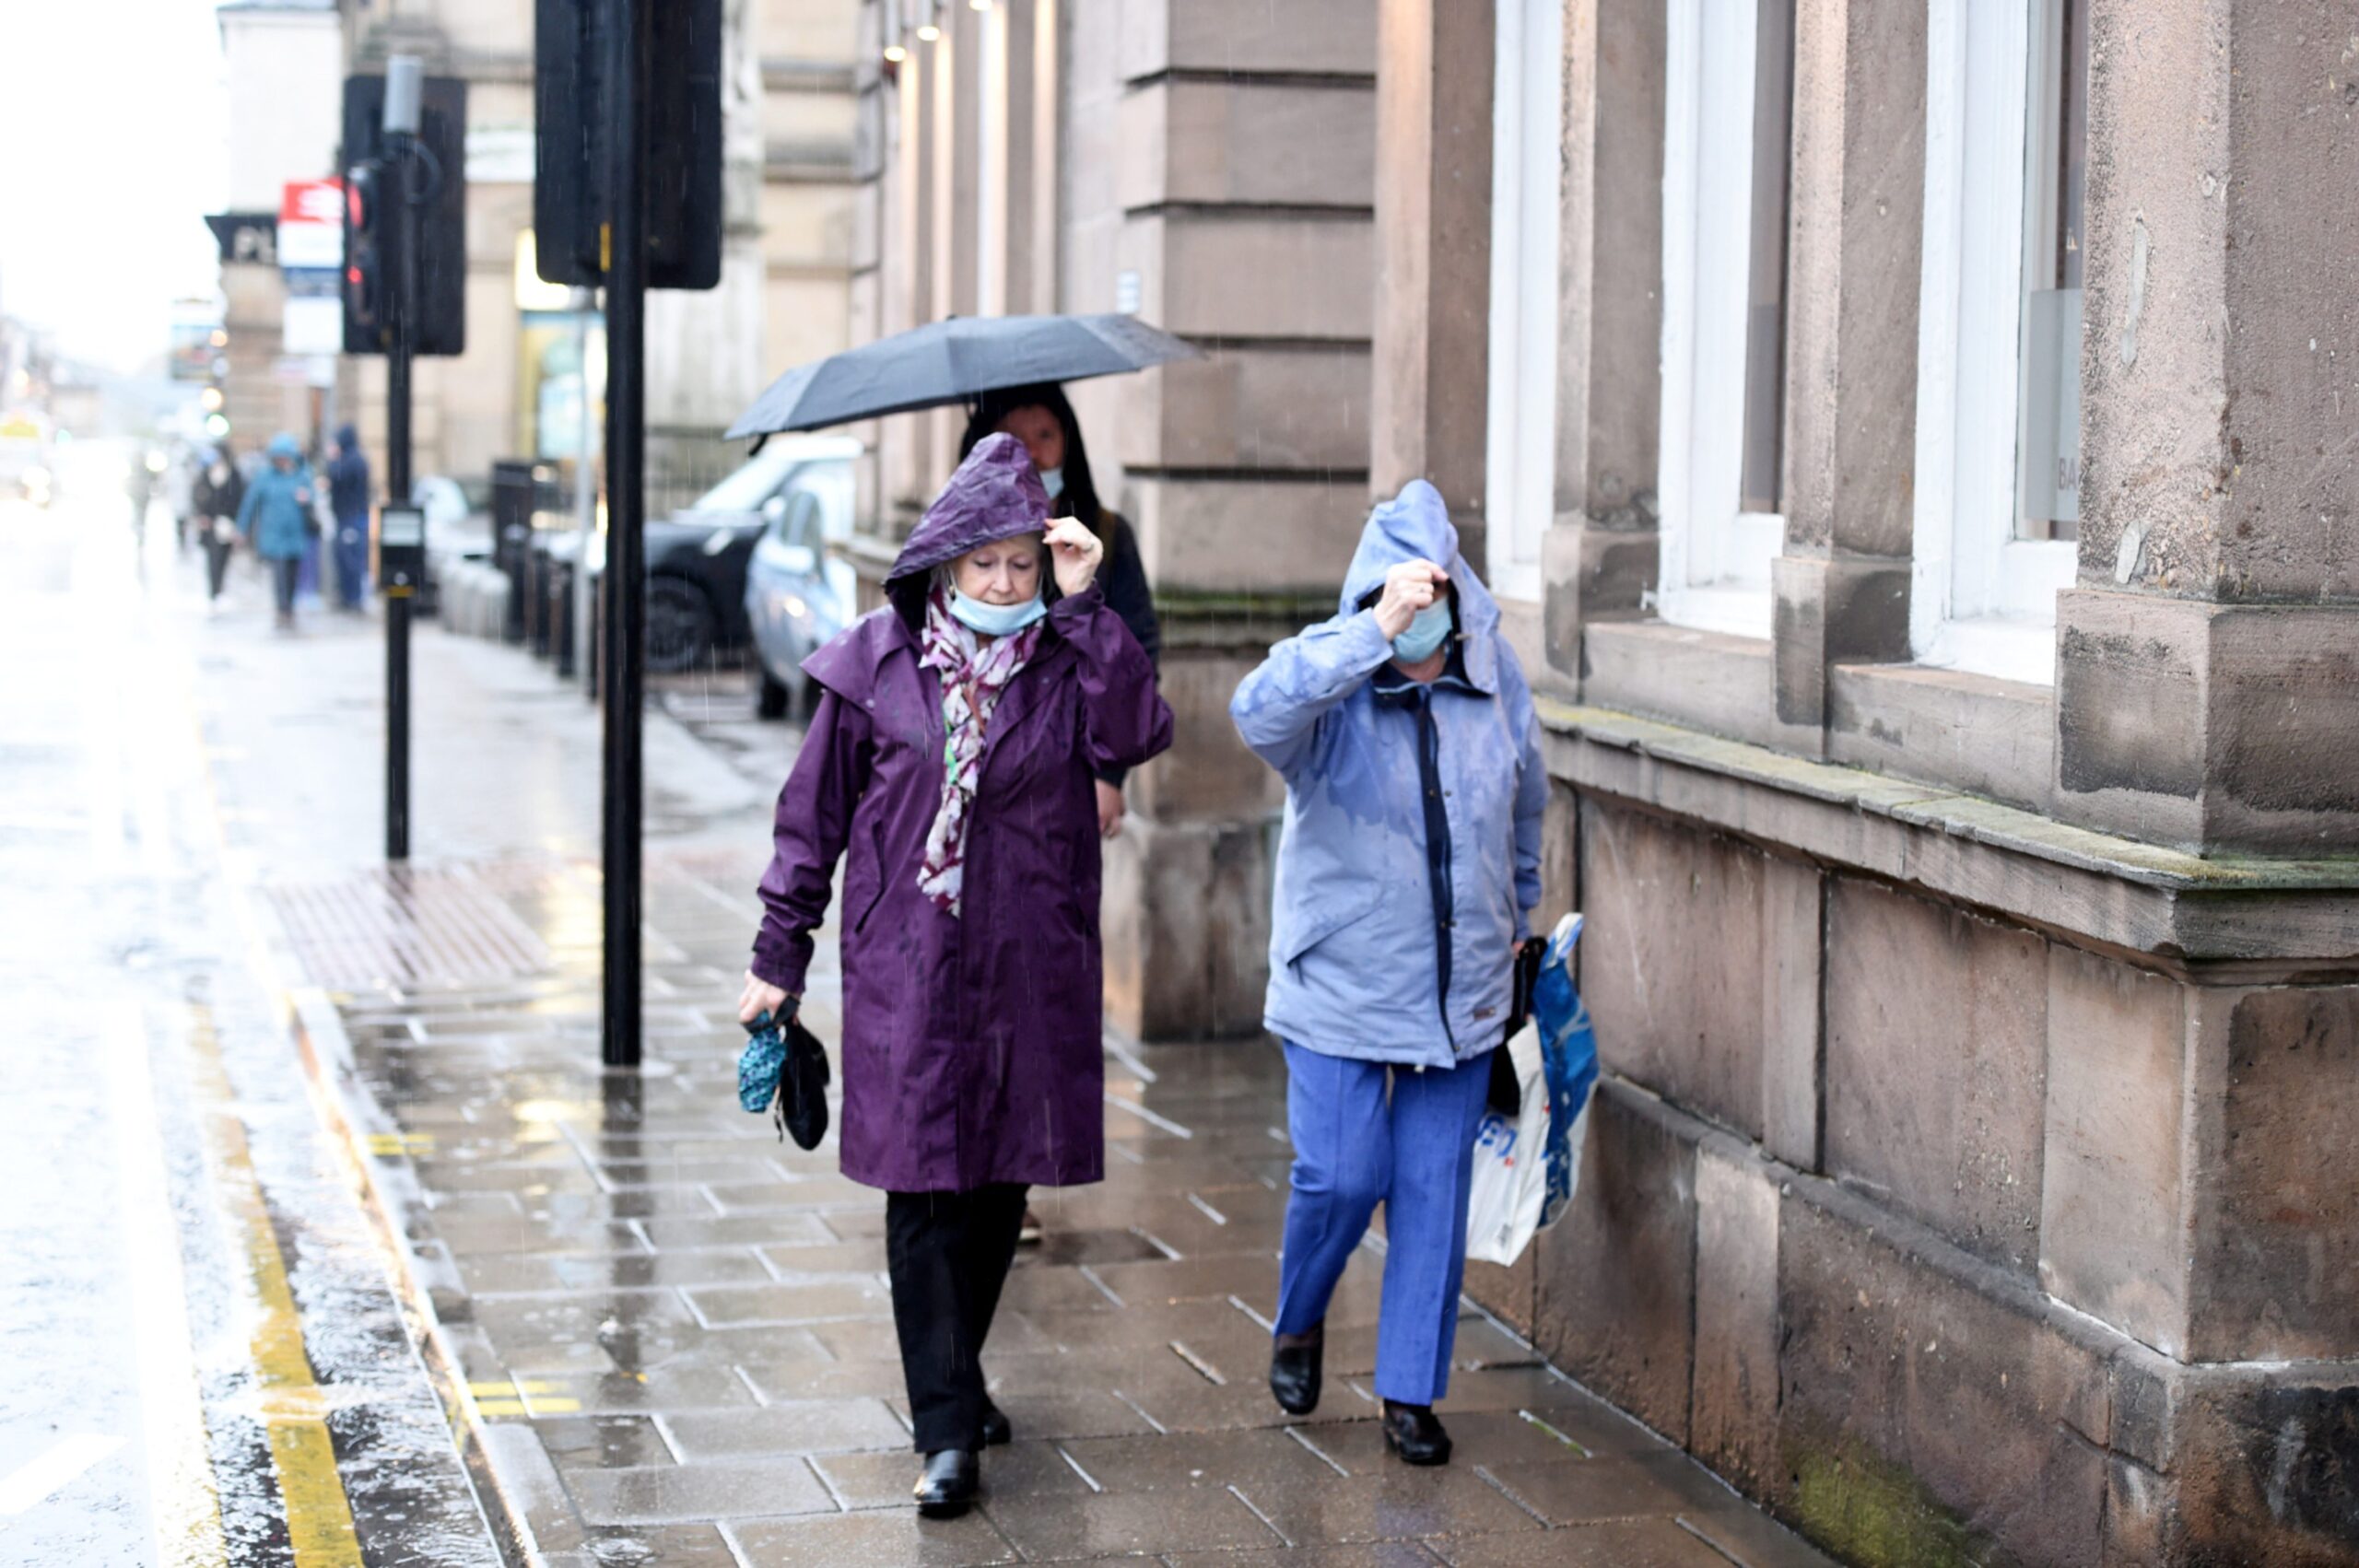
x: 1914, y: 442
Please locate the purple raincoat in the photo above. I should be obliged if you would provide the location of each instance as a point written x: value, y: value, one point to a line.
x: 972, y: 1045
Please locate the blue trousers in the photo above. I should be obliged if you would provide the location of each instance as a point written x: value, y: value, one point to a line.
x: 1354, y: 1146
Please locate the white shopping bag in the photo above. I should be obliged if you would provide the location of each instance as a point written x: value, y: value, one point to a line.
x: 1525, y: 1169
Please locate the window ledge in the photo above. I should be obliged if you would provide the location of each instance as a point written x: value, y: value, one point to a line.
x: 2288, y: 915
x: 2005, y: 647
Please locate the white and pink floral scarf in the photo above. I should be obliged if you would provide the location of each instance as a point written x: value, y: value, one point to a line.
x: 973, y: 675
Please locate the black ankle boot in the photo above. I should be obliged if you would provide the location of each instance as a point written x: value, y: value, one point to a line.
x: 996, y: 1427
x: 1414, y: 1433
x: 950, y: 1481
x: 1294, y: 1373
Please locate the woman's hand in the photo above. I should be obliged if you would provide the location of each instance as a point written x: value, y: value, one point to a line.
x: 1076, y: 553
x: 1110, y: 809
x: 759, y: 996
x: 1408, y: 588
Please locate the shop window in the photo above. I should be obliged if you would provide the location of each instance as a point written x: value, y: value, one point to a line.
x: 1728, y: 114
x: 1997, y: 449
x: 1527, y: 165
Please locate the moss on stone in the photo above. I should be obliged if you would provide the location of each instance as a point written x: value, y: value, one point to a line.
x: 1873, y: 1514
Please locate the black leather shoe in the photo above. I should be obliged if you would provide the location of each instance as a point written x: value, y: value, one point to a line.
x: 1294, y: 1375
x: 1414, y: 1433
x: 950, y: 1481
x: 996, y: 1429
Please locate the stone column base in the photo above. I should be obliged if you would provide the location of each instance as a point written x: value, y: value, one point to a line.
x: 2209, y: 726
x: 1187, y: 928
x: 1831, y: 609
x: 1592, y: 573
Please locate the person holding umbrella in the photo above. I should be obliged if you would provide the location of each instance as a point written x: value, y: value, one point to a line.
x: 954, y: 755
x: 1406, y: 878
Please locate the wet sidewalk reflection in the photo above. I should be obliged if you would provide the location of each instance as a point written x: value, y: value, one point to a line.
x: 677, y: 1338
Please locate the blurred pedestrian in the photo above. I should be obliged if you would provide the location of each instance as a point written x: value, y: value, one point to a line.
x: 219, y: 497
x: 180, y: 492
x: 1409, y: 750
x: 958, y: 732
x: 348, y: 496
x: 1042, y: 418
x: 276, y: 517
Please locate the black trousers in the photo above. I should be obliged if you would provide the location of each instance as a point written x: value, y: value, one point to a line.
x: 948, y: 1254
x: 217, y: 561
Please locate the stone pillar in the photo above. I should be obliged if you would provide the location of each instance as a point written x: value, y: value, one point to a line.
x: 1858, y: 203
x: 1428, y: 406
x: 1599, y: 558
x: 1218, y: 179
x: 2208, y: 664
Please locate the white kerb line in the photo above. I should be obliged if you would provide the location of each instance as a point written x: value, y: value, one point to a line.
x: 184, y: 1504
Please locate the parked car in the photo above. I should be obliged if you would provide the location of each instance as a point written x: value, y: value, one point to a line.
x: 799, y: 588
x: 696, y: 558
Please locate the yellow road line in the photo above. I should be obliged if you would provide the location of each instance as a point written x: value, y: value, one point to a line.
x: 319, y: 1516
x: 183, y: 1502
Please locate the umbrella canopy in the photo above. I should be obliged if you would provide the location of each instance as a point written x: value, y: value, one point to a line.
x: 952, y: 361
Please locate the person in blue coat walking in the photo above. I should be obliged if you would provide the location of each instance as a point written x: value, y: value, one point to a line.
x: 1406, y: 878
x: 349, y: 499
x: 276, y: 517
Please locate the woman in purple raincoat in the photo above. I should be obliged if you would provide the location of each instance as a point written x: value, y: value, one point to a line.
x: 954, y: 752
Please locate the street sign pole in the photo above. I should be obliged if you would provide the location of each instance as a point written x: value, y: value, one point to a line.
x: 405, y: 81
x: 623, y: 626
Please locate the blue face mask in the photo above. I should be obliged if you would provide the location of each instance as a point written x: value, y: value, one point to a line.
x: 996, y: 620
x: 1053, y: 480
x: 1426, y: 632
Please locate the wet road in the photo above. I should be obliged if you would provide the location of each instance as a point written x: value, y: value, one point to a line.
x: 206, y: 1363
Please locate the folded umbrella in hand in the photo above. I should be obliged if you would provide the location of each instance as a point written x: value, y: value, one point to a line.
x: 784, y: 1070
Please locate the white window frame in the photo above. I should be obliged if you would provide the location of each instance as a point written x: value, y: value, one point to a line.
x: 1715, y: 559
x: 1981, y: 600
x: 1527, y: 167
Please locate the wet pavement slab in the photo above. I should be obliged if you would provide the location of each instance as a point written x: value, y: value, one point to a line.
x: 665, y: 1336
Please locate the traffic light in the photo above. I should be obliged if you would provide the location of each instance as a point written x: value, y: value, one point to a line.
x: 681, y: 81
x: 370, y: 237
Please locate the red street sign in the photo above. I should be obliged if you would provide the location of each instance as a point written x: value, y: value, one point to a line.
x: 313, y: 201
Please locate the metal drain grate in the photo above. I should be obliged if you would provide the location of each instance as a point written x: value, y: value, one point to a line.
x: 401, y: 928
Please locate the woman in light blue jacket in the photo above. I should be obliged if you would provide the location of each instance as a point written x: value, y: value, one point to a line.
x: 1406, y: 879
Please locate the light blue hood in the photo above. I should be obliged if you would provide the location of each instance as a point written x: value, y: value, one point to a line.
x: 1414, y: 526
x: 1355, y: 964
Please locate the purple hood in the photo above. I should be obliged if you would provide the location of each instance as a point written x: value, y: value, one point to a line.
x: 995, y: 494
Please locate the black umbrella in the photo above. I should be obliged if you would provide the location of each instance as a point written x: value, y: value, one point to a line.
x: 952, y: 361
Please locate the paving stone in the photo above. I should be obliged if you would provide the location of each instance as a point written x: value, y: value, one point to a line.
x: 1628, y: 1543
x: 1396, y: 1503
x: 663, y: 1389
x: 850, y: 1295
x: 1086, y: 1413
x: 1374, y: 1554
x: 494, y: 1276
x: 1063, y: 1528
x: 883, y: 1480
x: 807, y: 1426
x: 738, y: 1230
x: 604, y: 1442
x: 1195, y: 1459
x: 648, y: 1546
x: 1610, y: 1486
x: 792, y: 1263
x: 1482, y: 1437
x: 677, y: 1493
x: 876, y: 1540
x: 819, y: 1377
